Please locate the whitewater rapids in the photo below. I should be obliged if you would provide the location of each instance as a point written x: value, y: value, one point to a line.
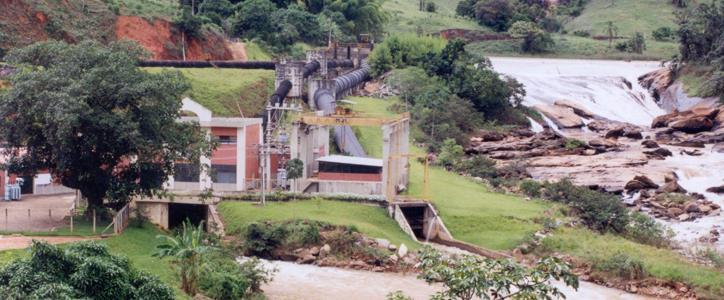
x: 610, y: 89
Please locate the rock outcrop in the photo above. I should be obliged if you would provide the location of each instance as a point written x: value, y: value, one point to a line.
x: 563, y: 117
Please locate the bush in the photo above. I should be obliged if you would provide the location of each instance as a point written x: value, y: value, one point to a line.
x: 637, y: 44
x: 225, y: 278
x: 598, y: 211
x: 495, y: 14
x: 574, y: 144
x: 450, y: 154
x: 430, y: 7
x: 261, y: 239
x: 83, y: 270
x: 531, y: 188
x: 582, y: 33
x: 478, y: 166
x: 663, y: 33
x: 535, y: 39
x: 646, y: 230
x: 400, y: 51
x: 624, y: 266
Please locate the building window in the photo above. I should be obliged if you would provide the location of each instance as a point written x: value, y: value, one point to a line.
x: 223, y: 173
x: 226, y: 139
x: 184, y: 172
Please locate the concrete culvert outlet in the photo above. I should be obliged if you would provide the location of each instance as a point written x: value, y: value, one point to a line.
x: 179, y: 212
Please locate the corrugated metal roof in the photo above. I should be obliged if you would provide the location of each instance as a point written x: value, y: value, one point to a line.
x: 352, y: 160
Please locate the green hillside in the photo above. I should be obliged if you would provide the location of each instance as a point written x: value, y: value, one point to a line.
x: 628, y: 15
x: 405, y: 17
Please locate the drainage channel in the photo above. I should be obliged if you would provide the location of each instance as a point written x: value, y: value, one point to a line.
x: 421, y: 222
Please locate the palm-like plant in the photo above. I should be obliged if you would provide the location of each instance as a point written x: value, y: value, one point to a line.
x: 187, y: 249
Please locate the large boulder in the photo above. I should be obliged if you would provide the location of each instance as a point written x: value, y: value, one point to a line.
x: 602, y: 143
x: 664, y: 120
x: 694, y: 124
x: 716, y: 189
x: 648, y: 183
x: 651, y: 144
x: 659, y: 152
x: 577, y: 108
x: 705, y: 111
x: 673, y: 187
x: 563, y: 117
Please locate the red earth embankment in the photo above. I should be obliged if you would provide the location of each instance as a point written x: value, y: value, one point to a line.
x: 164, y: 42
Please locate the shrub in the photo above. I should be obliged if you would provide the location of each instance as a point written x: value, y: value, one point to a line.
x: 530, y: 188
x: 450, y: 154
x: 598, y: 211
x: 662, y: 33
x: 624, y: 266
x: 574, y: 144
x: 260, y: 239
x: 535, y: 39
x: 397, y: 295
x: 646, y: 230
x: 430, y: 7
x: 637, y: 44
x: 582, y: 33
x: 478, y: 166
x: 224, y: 278
x: 495, y: 14
x: 84, y: 270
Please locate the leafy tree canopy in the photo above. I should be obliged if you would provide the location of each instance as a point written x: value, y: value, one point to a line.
x: 83, y: 270
x: 94, y: 119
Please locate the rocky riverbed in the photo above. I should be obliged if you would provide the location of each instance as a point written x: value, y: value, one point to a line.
x: 620, y: 127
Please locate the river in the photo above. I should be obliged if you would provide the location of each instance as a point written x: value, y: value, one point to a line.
x: 294, y: 281
x: 610, y: 89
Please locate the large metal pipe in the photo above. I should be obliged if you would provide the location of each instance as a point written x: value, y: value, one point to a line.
x: 234, y: 64
x: 325, y: 101
x: 231, y: 64
x: 277, y: 99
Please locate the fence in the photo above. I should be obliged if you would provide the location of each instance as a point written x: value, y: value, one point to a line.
x: 34, y: 219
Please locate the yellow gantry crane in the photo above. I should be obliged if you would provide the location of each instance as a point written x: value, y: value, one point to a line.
x: 344, y: 116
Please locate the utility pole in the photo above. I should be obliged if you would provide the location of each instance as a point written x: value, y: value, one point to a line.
x: 279, y: 147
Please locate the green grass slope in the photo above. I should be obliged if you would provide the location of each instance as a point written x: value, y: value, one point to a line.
x: 471, y: 212
x: 370, y: 220
x: 628, y: 15
x: 405, y: 17
x: 226, y: 91
x: 570, y: 46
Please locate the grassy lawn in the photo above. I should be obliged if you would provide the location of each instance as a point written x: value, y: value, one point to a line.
x: 370, y: 220
x: 405, y: 17
x: 225, y: 91
x: 570, y: 46
x: 628, y: 15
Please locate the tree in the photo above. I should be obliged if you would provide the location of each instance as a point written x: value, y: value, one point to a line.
x: 189, y: 25
x: 187, y: 250
x: 96, y: 121
x: 450, y: 153
x: 466, y: 8
x: 467, y: 277
x: 611, y: 32
x: 83, y: 270
x: 535, y: 39
x: 295, y: 169
x: 362, y: 16
x: 253, y: 18
x: 494, y: 13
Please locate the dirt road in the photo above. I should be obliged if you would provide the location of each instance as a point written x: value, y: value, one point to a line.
x: 22, y: 242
